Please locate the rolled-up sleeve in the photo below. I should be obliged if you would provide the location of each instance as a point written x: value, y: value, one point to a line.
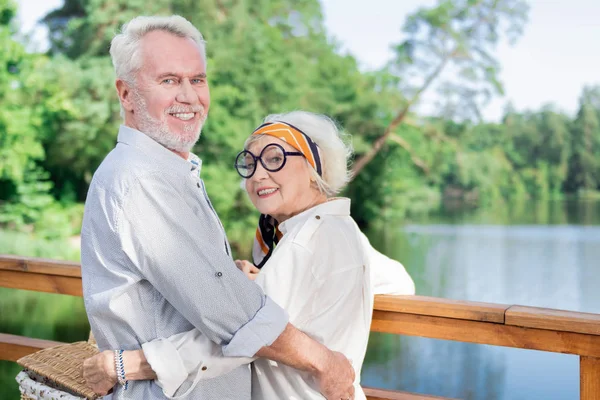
x: 187, y: 356
x: 252, y: 335
x: 167, y: 363
x: 179, y: 247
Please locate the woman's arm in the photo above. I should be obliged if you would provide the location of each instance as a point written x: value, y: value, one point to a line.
x: 188, y: 356
x: 388, y: 276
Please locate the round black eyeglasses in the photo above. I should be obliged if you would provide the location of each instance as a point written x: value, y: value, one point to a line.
x: 273, y: 158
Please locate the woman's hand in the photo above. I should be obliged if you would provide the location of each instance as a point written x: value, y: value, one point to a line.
x: 99, y: 372
x: 247, y: 268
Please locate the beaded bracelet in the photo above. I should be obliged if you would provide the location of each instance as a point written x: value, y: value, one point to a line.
x: 120, y: 367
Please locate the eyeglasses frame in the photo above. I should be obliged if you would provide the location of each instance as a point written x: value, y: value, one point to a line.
x: 259, y: 158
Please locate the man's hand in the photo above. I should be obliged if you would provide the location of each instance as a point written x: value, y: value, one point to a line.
x: 336, y: 377
x: 332, y: 370
x: 247, y: 268
x: 99, y: 372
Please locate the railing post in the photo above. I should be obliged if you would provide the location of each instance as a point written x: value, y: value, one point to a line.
x: 589, y: 374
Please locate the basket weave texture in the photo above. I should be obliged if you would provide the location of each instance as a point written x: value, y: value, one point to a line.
x: 63, y: 365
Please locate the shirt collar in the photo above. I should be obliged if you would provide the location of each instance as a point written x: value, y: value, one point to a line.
x: 339, y: 206
x: 166, y: 157
x: 196, y: 163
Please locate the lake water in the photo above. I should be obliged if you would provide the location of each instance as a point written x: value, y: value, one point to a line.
x: 544, y: 255
x: 537, y: 254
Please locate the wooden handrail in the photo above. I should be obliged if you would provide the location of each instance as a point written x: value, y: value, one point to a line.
x: 514, y: 326
x: 13, y: 347
x: 40, y: 275
x: 40, y: 266
x: 381, y: 394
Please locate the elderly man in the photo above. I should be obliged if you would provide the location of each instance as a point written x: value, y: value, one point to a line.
x: 155, y: 259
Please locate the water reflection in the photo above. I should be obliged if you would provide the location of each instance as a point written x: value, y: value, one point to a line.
x: 437, y: 367
x: 547, y: 266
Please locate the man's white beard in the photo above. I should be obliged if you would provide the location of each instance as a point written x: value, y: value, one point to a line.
x: 158, y: 129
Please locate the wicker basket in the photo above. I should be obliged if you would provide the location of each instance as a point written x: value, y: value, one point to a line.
x: 58, y: 369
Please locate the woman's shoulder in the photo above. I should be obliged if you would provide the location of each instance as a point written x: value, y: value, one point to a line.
x: 319, y: 226
x: 330, y: 239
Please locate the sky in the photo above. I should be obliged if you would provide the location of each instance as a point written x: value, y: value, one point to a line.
x: 557, y: 55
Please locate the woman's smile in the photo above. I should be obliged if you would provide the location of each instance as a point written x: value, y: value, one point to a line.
x: 266, y: 192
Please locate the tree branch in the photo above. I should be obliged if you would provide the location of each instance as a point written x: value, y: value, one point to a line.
x: 380, y: 141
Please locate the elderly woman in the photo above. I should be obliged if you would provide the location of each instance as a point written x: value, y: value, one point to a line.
x: 309, y: 256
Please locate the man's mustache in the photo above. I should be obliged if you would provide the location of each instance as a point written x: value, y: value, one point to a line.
x: 185, y: 109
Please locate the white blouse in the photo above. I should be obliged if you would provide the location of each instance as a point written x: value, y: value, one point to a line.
x: 324, y: 273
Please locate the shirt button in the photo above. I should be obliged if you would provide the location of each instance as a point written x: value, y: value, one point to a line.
x: 204, y: 368
x: 219, y: 274
x: 318, y: 217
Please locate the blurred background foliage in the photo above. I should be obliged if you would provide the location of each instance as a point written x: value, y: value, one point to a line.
x: 59, y: 113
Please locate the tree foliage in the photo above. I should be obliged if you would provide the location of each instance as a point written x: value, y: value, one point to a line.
x: 450, y: 47
x: 59, y: 113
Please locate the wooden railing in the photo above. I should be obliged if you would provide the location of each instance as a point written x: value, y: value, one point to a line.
x: 465, y: 321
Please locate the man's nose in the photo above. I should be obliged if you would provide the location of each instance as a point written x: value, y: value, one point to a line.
x: 187, y: 94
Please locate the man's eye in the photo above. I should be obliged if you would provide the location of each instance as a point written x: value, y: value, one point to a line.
x: 168, y: 81
x: 197, y: 81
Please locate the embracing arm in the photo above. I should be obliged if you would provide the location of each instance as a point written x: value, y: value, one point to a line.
x: 187, y: 356
x: 173, y: 358
x: 332, y: 369
x: 192, y: 354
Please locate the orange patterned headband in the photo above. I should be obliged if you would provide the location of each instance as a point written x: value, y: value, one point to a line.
x: 295, y: 138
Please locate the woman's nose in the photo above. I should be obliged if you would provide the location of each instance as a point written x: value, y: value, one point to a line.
x: 260, y: 173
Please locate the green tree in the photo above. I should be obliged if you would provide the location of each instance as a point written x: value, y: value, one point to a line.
x: 454, y: 36
x: 556, y: 147
x: 77, y: 114
x: 86, y: 27
x: 584, y: 167
x: 23, y: 184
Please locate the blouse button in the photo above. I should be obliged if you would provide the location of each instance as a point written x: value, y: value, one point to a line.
x: 198, y: 184
x: 219, y: 274
x: 318, y: 217
x: 204, y: 368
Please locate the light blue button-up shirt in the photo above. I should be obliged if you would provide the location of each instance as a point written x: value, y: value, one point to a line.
x: 156, y: 262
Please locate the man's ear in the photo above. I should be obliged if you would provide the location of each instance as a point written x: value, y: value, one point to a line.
x: 125, y: 95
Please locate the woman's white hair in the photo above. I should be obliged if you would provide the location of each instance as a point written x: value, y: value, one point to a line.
x: 334, y: 147
x: 125, y: 46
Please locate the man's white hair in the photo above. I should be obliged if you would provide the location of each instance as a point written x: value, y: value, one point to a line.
x: 334, y: 147
x: 125, y: 46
